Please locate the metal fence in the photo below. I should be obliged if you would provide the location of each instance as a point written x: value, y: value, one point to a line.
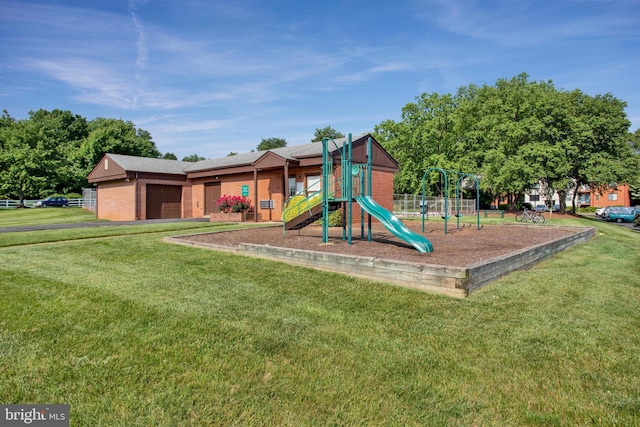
x: 411, y: 204
x: 90, y: 199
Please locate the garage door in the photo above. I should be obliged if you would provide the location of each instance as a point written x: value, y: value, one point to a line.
x: 164, y: 201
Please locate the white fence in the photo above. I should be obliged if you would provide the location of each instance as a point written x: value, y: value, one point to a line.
x: 5, y: 204
x: 88, y: 201
x: 410, y: 205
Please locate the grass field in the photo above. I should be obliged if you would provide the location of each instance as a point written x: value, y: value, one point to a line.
x: 131, y: 331
x: 18, y: 217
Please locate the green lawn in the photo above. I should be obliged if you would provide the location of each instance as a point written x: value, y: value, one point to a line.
x: 131, y: 331
x: 38, y: 216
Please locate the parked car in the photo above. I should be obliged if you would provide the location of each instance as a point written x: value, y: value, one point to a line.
x: 541, y: 208
x: 620, y: 214
x: 603, y: 211
x: 60, y: 202
x: 556, y: 208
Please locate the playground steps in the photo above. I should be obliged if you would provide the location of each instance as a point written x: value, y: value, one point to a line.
x: 309, y: 216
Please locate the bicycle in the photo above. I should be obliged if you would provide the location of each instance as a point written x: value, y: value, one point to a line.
x: 526, y: 215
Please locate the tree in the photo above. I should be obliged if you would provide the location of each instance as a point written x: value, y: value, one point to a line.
x: 169, y: 156
x: 193, y: 158
x: 634, y: 184
x: 515, y: 134
x: 232, y: 153
x: 54, y: 151
x: 28, y: 158
x: 113, y: 136
x: 327, y: 132
x: 271, y: 143
x: 66, y: 132
x: 600, y: 154
x: 424, y: 138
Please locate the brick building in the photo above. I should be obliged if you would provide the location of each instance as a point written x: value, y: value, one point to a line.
x: 133, y: 188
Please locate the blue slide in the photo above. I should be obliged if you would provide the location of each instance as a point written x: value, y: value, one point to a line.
x: 393, y: 224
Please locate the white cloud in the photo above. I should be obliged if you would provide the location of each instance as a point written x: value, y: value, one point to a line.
x: 530, y: 23
x: 96, y: 82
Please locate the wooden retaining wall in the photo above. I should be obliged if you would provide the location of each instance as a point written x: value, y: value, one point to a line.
x: 453, y: 281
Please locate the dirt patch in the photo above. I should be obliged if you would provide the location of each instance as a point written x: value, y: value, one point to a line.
x: 459, y: 247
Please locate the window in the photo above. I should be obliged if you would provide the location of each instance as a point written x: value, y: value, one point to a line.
x: 295, y: 187
x: 534, y: 198
x: 612, y: 196
x: 585, y: 199
x: 292, y: 186
x: 314, y: 184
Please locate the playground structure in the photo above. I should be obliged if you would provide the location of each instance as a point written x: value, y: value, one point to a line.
x: 350, y: 182
x: 446, y: 213
x: 339, y: 191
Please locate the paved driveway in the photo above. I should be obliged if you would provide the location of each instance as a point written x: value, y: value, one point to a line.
x: 629, y: 225
x: 95, y: 224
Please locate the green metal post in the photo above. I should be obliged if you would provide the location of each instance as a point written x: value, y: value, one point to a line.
x: 343, y: 186
x: 446, y: 194
x: 325, y: 191
x: 446, y: 201
x: 464, y: 175
x: 369, y: 174
x: 458, y: 201
x: 347, y: 174
x: 361, y: 174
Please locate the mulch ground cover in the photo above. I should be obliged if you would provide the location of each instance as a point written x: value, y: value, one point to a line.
x: 459, y: 247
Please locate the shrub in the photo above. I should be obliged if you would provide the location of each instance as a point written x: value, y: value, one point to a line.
x: 335, y: 219
x: 299, y: 204
x: 233, y: 204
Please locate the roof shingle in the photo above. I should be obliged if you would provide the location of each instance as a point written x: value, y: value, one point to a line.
x: 148, y: 164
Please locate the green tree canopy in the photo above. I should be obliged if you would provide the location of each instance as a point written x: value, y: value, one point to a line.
x: 634, y: 185
x: 193, y: 158
x: 54, y: 151
x: 169, y: 156
x: 113, y: 136
x: 29, y: 160
x: 515, y: 134
x: 327, y: 132
x: 271, y: 143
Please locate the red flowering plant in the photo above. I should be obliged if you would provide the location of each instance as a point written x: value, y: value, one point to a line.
x: 233, y: 204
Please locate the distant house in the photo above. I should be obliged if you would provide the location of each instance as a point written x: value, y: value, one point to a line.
x: 587, y: 196
x: 134, y: 188
x: 619, y: 195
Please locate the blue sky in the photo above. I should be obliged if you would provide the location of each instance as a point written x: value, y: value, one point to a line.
x: 215, y: 76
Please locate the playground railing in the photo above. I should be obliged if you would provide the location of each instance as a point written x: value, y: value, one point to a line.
x: 299, y: 204
x: 411, y: 205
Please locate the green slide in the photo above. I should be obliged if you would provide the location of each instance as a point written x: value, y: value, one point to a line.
x: 394, y: 225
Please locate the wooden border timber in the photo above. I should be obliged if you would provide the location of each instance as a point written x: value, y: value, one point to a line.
x: 453, y: 281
